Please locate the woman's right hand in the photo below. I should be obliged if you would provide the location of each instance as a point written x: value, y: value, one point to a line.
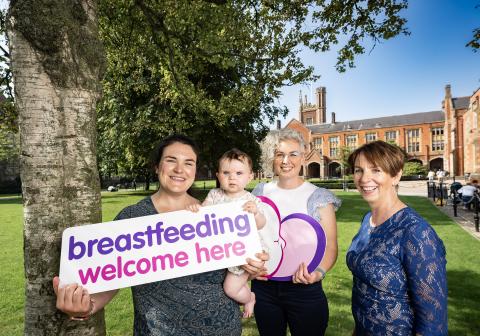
x: 72, y: 299
x: 256, y: 268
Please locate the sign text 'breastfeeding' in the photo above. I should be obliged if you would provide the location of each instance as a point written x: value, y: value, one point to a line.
x: 140, y: 250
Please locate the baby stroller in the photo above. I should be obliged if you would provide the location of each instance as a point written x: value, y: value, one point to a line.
x: 454, y: 196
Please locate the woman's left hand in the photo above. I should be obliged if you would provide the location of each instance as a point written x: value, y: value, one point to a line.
x: 302, y: 276
x: 256, y: 268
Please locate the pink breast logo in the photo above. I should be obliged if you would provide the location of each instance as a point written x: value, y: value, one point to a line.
x: 294, y: 239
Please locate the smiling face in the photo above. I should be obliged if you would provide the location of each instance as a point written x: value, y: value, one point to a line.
x: 234, y: 176
x: 374, y: 184
x: 176, y: 169
x: 288, y: 159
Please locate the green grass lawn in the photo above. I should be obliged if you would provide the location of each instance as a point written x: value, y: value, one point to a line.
x: 463, y: 268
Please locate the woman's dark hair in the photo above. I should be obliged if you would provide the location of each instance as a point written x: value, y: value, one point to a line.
x: 171, y: 139
x: 382, y: 154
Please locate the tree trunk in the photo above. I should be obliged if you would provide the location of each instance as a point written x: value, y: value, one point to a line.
x: 147, y: 181
x: 56, y: 89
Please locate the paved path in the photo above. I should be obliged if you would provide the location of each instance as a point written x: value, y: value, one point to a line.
x: 413, y: 188
x: 464, y: 217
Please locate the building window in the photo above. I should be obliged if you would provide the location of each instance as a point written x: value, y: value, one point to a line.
x: 317, y: 144
x: 475, y: 104
x: 437, y: 139
x: 334, y: 146
x: 351, y: 141
x: 369, y: 137
x: 391, y: 136
x: 413, y: 140
x: 309, y: 121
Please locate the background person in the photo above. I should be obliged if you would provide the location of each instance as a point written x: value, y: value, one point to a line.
x: 467, y: 193
x: 190, y: 305
x: 301, y: 303
x: 234, y: 173
x: 396, y: 258
x: 440, y: 175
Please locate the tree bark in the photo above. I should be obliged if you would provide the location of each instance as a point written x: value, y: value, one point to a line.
x: 60, y: 182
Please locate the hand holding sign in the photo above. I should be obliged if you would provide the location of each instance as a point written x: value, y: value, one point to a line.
x: 73, y: 299
x: 134, y: 251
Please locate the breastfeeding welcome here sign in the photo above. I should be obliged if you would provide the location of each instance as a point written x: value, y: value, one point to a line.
x: 140, y: 250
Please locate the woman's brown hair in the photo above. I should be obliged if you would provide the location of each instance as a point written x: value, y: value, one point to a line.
x: 388, y: 157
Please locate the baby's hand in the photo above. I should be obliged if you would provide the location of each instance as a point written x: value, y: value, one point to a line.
x: 251, y: 207
x: 194, y: 207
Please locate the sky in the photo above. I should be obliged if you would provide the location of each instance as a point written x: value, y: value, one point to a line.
x: 406, y: 74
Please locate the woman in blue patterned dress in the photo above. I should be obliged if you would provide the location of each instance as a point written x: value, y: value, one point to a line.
x: 397, y: 260
x: 190, y: 305
x: 300, y: 303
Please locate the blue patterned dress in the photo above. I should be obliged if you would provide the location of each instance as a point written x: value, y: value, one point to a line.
x: 194, y: 305
x: 399, y: 277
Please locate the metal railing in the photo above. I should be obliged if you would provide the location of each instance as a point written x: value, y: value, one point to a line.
x: 476, y: 209
x: 438, y: 192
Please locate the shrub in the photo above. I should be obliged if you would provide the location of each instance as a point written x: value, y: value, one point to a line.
x: 414, y: 168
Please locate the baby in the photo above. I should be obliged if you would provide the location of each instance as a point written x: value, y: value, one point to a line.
x: 234, y: 173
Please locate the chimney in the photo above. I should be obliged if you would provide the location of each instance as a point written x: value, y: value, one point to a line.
x: 321, y: 104
x: 300, y: 108
x: 333, y: 117
x: 448, y: 91
x: 279, y: 124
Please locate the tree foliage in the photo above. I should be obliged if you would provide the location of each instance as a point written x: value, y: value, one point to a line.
x: 9, y: 139
x: 475, y: 42
x: 214, y: 69
x: 414, y: 168
x: 8, y: 115
x: 344, y: 154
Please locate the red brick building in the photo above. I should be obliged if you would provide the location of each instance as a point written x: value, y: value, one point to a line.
x: 471, y: 135
x: 444, y: 139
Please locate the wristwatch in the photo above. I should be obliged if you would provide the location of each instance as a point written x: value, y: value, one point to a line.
x: 322, y: 272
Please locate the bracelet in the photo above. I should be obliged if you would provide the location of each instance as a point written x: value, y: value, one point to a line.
x: 322, y: 272
x: 86, y: 317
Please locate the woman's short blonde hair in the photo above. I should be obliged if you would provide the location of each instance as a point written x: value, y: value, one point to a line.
x: 271, y: 142
x: 388, y: 157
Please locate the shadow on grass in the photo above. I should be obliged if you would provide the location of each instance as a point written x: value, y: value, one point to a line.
x: 116, y: 197
x: 463, y: 302
x: 249, y: 327
x: 107, y: 195
x: 16, y: 200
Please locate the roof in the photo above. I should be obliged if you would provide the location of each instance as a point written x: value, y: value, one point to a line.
x: 461, y: 102
x: 381, y: 122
